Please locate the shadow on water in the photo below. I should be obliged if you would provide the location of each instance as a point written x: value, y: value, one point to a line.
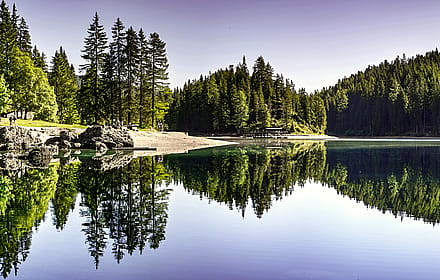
x: 124, y: 201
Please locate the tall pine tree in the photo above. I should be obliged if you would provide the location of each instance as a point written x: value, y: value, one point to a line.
x: 62, y: 78
x: 157, y: 73
x: 91, y: 93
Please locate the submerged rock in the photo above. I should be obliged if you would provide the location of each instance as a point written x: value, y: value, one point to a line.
x: 98, y: 136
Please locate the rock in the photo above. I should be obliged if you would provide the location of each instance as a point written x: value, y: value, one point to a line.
x: 100, y: 147
x: 95, y: 136
x: 67, y: 135
x: 10, y: 161
x: 40, y: 157
x: 53, y: 141
x: 17, y: 138
x: 63, y: 141
x: 64, y: 145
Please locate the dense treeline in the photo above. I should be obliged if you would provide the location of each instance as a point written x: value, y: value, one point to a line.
x: 232, y: 100
x: 24, y: 84
x: 401, y: 97
x: 125, y: 80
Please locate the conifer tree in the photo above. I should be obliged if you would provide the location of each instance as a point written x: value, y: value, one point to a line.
x: 24, y: 37
x: 157, y: 72
x: 117, y: 56
x: 144, y: 62
x: 8, y: 40
x: 39, y: 59
x: 131, y: 53
x: 91, y: 94
x: 62, y: 78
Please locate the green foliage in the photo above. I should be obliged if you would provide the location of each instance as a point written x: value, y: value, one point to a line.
x: 92, y: 90
x: 26, y: 199
x: 240, y: 176
x: 135, y: 77
x: 127, y: 206
x: 401, y: 97
x: 232, y: 100
x: 62, y: 78
x: 5, y: 95
x: 64, y: 198
x: 157, y: 74
x: 31, y: 89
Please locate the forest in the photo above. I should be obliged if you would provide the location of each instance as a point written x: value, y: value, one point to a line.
x: 232, y: 100
x: 401, y: 97
x: 124, y: 79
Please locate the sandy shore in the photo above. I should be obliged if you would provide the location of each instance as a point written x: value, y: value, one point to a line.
x: 171, y: 142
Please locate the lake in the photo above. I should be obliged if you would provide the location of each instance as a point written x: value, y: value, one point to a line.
x: 260, y: 210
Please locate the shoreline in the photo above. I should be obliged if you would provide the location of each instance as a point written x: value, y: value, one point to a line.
x: 171, y: 142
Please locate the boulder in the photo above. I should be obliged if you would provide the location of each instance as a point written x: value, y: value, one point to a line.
x: 63, y: 141
x: 97, y: 136
x: 17, y: 138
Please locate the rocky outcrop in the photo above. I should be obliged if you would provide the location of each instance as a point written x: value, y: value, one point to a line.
x: 104, y: 137
x: 17, y: 138
x: 64, y: 141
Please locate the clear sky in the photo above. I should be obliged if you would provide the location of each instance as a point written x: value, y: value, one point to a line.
x: 312, y: 42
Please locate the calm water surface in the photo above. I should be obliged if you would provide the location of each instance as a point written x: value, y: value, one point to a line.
x: 303, y: 210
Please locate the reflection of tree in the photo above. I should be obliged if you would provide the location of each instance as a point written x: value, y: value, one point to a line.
x: 26, y: 199
x: 241, y: 175
x: 403, y: 180
x: 248, y: 173
x: 413, y: 192
x: 65, y: 194
x: 127, y: 205
x: 93, y: 186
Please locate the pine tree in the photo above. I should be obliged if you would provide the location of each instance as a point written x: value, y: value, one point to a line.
x: 157, y: 72
x: 24, y: 37
x: 131, y: 53
x: 62, y: 78
x: 39, y: 59
x: 144, y: 62
x: 91, y: 99
x: 117, y: 47
x: 8, y: 40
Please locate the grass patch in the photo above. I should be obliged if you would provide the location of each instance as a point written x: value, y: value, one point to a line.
x: 39, y: 123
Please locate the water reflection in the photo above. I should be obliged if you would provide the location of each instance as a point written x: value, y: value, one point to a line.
x: 124, y: 202
x: 249, y: 174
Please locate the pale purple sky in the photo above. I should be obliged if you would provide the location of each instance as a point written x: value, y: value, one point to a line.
x: 312, y: 42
